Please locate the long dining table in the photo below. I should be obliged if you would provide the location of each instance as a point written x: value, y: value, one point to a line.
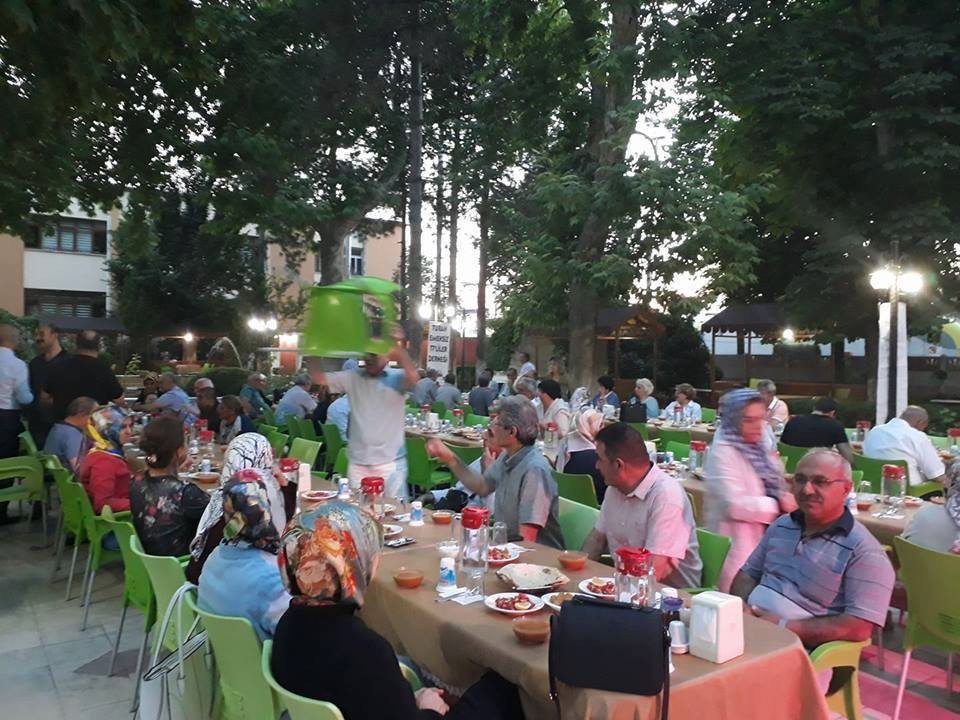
x: 458, y: 643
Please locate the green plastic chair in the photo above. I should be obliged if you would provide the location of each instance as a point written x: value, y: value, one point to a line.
x: 342, y: 463
x: 28, y: 444
x: 293, y: 426
x: 278, y: 441
x: 576, y: 522
x: 467, y: 455
x: 304, y: 450
x: 440, y: 408
x: 841, y: 654
x: 642, y: 429
x: 925, y: 488
x: 265, y: 429
x: 236, y: 648
x: 713, y: 553
x: 578, y: 488
x: 932, y: 581
x: 856, y: 477
x: 297, y: 706
x: 941, y: 442
x: 137, y: 590
x: 472, y: 420
x: 332, y: 443
x: 791, y: 455
x: 270, y: 418
x: 667, y: 435
x: 166, y: 577
x: 350, y: 317
x: 29, y: 471
x: 96, y: 530
x: 679, y: 450
x: 422, y: 470
x: 872, y: 469
x: 308, y: 430
x: 71, y: 518
x: 708, y: 415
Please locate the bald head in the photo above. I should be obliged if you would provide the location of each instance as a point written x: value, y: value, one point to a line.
x: 9, y: 336
x: 830, y: 462
x: 916, y: 417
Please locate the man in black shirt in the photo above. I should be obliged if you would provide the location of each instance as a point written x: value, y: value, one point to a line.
x: 49, y: 352
x: 82, y: 374
x: 818, y: 429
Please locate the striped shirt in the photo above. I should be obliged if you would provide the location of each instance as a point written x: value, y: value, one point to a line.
x: 842, y: 570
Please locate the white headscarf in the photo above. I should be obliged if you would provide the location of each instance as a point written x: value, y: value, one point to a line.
x: 247, y: 451
x: 578, y: 399
x: 586, y: 424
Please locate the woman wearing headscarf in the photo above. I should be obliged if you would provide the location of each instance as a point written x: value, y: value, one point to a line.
x: 577, y: 454
x: 937, y: 526
x: 745, y: 487
x: 328, y: 557
x: 247, y: 451
x: 103, y: 471
x: 241, y: 577
x: 578, y: 399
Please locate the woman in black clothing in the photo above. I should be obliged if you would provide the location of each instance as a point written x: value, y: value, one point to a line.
x: 321, y: 650
x: 165, y: 509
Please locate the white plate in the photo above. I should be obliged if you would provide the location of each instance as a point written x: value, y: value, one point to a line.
x: 388, y: 509
x: 548, y: 599
x: 318, y: 495
x: 514, y: 554
x: 583, y: 587
x: 391, y: 531
x: 491, y: 602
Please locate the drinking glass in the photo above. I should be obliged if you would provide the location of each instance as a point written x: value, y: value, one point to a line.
x: 499, y: 534
x: 865, y: 496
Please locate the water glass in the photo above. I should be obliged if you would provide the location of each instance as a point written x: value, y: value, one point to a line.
x: 499, y: 534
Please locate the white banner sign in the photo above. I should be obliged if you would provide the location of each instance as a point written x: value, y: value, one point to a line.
x: 438, y: 348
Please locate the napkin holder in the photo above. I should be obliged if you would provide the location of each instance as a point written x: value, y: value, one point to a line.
x: 716, y: 626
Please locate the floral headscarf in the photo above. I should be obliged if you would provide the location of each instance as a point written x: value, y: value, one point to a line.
x: 246, y: 510
x: 953, y: 500
x: 329, y: 553
x: 579, y: 399
x: 732, y: 405
x: 250, y: 451
x: 104, y: 428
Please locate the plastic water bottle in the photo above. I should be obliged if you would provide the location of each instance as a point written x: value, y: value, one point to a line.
x: 473, y: 548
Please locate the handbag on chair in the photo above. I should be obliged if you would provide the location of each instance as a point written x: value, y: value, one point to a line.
x: 629, y: 649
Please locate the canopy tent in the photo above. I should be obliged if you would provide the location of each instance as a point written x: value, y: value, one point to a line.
x: 73, y: 324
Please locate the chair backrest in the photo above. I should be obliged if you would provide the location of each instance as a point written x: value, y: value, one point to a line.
x: 137, y: 590
x: 641, y: 428
x: 791, y: 455
x: 308, y: 430
x: 932, y: 580
x: 30, y: 470
x: 298, y: 707
x: 466, y: 454
x: 941, y: 442
x: 679, y: 450
x: 278, y: 441
x: 471, y: 420
x: 576, y: 522
x: 246, y: 694
x: 269, y: 416
x: 667, y: 435
x: 350, y: 317
x: 419, y: 464
x: 70, y: 493
x: 293, y: 426
x: 856, y: 476
x: 708, y: 415
x: 28, y: 444
x: 578, y: 488
x: 332, y: 441
x: 166, y: 576
x: 873, y: 469
x: 304, y: 450
x: 265, y: 429
x: 342, y: 462
x: 713, y: 553
x: 440, y: 408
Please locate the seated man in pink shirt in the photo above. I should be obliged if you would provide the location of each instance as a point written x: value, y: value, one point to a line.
x: 643, y: 507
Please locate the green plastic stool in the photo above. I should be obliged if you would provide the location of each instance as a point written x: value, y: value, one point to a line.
x: 351, y: 317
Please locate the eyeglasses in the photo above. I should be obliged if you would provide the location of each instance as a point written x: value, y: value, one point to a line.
x: 820, y: 482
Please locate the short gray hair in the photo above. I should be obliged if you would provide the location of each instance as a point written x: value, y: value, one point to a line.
x: 526, y: 383
x: 518, y: 412
x: 646, y: 385
x: 302, y: 379
x: 831, y: 456
x: 81, y: 406
x: 169, y: 376
x: 767, y: 386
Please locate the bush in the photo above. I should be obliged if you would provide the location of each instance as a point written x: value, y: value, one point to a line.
x: 227, y: 380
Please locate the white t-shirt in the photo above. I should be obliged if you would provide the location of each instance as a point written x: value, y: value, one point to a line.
x: 898, y: 440
x: 376, y: 414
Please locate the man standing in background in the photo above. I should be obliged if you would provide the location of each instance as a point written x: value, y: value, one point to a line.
x: 83, y: 374
x: 49, y: 352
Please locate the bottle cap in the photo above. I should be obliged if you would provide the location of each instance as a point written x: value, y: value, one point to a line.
x: 371, y: 485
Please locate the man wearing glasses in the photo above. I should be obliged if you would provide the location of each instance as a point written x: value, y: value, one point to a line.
x: 817, y: 571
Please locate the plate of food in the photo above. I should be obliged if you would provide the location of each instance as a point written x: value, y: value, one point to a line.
x: 318, y: 495
x: 598, y: 587
x: 499, y: 555
x: 205, y: 478
x: 555, y: 599
x: 391, y: 531
x: 912, y: 502
x: 513, y: 603
x: 529, y: 578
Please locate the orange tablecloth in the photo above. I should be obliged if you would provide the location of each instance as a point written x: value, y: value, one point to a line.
x: 457, y: 643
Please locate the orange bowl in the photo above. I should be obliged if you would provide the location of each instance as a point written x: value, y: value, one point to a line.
x: 442, y: 517
x: 408, y: 578
x: 572, y: 559
x: 531, y: 630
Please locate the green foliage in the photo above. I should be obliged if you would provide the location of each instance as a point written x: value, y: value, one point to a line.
x: 227, y: 380
x: 682, y: 356
x: 134, y: 365
x: 27, y: 327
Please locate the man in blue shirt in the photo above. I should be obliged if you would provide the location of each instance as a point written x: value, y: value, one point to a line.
x: 339, y: 414
x: 67, y: 439
x: 173, y: 398
x: 252, y: 395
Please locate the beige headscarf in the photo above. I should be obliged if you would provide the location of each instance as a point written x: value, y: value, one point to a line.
x: 586, y: 423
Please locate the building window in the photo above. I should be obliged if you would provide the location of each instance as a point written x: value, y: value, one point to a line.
x: 70, y: 235
x: 356, y: 260
x: 316, y: 262
x: 62, y: 302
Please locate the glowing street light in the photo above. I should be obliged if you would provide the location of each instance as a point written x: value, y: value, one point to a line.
x: 788, y: 335
x: 188, y: 337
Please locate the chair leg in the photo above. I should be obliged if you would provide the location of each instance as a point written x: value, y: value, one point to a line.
x: 949, y: 674
x: 86, y: 606
x: 61, y: 543
x: 116, y: 643
x: 143, y: 649
x: 86, y: 574
x: 903, y: 684
x: 56, y: 538
x: 43, y: 519
x: 73, y: 565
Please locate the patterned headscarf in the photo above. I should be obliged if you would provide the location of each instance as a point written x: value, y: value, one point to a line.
x: 245, y: 452
x: 732, y: 405
x: 104, y: 428
x: 953, y: 500
x: 246, y: 510
x: 329, y: 553
x: 579, y: 399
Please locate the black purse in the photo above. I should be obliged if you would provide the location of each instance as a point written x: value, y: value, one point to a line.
x: 610, y: 646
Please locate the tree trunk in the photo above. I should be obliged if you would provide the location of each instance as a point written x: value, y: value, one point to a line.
x: 438, y: 205
x: 403, y: 247
x: 610, y: 129
x: 454, y: 207
x: 415, y: 274
x: 482, y: 280
x: 330, y: 249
